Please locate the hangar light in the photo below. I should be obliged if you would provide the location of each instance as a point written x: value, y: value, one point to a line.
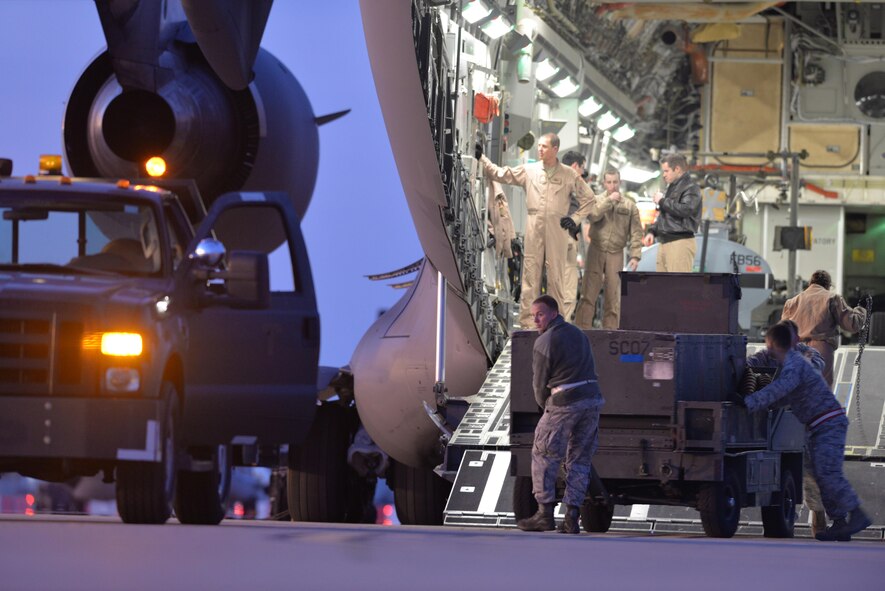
x: 589, y: 106
x: 634, y: 174
x: 475, y: 11
x: 623, y: 133
x: 564, y: 87
x: 607, y: 121
x: 546, y: 70
x: 496, y: 27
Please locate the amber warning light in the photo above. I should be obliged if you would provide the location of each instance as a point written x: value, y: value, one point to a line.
x: 155, y: 166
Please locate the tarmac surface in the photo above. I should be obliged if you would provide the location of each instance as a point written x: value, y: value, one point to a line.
x: 97, y: 553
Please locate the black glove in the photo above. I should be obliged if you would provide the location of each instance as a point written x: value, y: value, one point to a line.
x: 569, y: 224
x: 491, y: 242
x: 477, y: 150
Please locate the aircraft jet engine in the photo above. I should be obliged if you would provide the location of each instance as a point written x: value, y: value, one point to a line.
x: 159, y: 90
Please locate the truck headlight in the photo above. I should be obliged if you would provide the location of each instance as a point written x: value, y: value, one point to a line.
x: 122, y: 379
x: 121, y: 344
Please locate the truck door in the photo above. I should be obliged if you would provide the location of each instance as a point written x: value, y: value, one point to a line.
x: 251, y: 374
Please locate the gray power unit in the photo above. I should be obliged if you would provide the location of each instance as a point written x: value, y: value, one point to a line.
x: 670, y: 433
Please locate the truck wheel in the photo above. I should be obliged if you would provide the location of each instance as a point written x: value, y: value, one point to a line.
x: 419, y: 495
x: 201, y: 497
x: 317, y: 477
x: 596, y: 517
x: 778, y: 520
x: 279, y: 495
x: 145, y: 489
x: 524, y: 503
x: 720, y: 506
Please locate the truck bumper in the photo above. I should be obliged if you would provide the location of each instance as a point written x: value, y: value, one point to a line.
x: 81, y: 428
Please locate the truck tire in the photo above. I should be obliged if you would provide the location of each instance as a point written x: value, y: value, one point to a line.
x: 145, y: 489
x: 317, y: 477
x: 720, y: 506
x: 524, y: 503
x: 419, y: 495
x: 597, y: 517
x: 201, y: 498
x: 779, y: 520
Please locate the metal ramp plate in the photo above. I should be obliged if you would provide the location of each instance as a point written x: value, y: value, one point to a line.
x: 486, y: 424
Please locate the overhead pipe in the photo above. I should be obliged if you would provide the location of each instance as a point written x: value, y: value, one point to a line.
x: 697, y: 54
x: 525, y: 25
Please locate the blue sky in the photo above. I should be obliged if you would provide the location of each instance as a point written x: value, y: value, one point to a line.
x: 358, y: 221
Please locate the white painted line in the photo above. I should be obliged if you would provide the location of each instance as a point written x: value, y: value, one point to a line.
x: 151, y: 451
x: 494, y: 484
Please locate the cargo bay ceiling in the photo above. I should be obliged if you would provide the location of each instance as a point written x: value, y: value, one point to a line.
x: 653, y: 65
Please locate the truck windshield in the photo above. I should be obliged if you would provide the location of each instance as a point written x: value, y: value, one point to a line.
x: 80, y: 236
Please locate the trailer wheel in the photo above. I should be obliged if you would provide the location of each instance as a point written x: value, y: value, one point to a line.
x: 145, y: 489
x: 317, y: 475
x: 419, y: 495
x: 779, y: 520
x: 597, y: 517
x: 524, y: 503
x: 201, y: 498
x: 720, y: 506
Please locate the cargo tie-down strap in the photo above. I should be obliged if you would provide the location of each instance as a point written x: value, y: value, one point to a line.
x: 567, y: 387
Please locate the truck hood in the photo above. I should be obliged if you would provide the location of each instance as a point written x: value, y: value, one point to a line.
x: 80, y: 288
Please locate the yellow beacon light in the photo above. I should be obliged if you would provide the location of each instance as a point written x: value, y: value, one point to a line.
x: 50, y: 164
x: 121, y: 344
x: 155, y: 166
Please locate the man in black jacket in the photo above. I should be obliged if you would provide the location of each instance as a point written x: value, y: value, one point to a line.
x: 680, y: 214
x: 565, y: 384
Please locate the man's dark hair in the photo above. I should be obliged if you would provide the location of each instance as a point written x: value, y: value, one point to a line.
x: 548, y: 301
x: 822, y: 278
x: 793, y: 326
x: 674, y: 160
x: 781, y: 335
x: 572, y: 157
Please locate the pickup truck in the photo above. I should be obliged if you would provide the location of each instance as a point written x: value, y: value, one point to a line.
x: 135, y: 345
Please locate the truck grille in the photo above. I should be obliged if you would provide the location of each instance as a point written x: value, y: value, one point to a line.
x: 39, y: 355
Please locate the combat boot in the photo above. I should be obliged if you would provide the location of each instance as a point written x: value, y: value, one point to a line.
x: 540, y: 521
x: 842, y: 529
x: 569, y: 525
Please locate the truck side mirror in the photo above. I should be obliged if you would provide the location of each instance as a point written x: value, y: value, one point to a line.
x: 248, y: 279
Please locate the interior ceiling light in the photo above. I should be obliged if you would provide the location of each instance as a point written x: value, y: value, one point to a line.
x: 623, y: 133
x: 634, y: 174
x: 607, y: 121
x: 564, y: 87
x: 497, y: 27
x: 546, y: 70
x: 589, y: 106
x: 475, y: 11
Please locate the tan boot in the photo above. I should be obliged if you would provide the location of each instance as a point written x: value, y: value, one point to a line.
x: 540, y: 521
x: 818, y: 522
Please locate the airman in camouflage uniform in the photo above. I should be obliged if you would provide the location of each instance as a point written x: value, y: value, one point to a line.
x: 566, y: 388
x: 826, y: 427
